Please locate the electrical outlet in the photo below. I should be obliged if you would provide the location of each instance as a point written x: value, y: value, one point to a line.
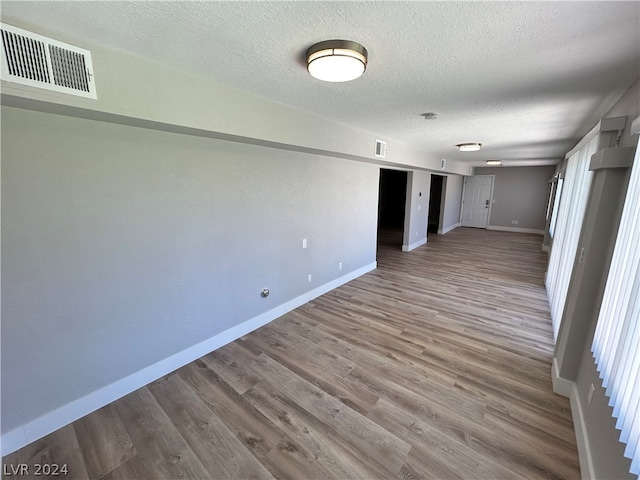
x: 592, y: 389
x: 309, y: 278
x: 514, y: 222
x: 340, y: 266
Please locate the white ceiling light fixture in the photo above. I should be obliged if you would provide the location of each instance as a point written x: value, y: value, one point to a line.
x: 469, y: 147
x: 494, y: 162
x: 336, y: 60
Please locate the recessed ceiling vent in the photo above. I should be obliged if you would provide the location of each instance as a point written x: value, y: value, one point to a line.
x: 37, y: 61
x: 381, y: 149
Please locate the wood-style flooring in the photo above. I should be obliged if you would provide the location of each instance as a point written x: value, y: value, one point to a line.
x: 435, y: 365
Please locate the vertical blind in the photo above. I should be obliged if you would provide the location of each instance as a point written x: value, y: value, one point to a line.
x: 616, y: 344
x: 573, y: 202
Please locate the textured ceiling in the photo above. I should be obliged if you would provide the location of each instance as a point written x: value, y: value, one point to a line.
x: 526, y: 79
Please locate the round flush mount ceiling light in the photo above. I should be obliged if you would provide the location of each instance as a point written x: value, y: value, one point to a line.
x: 336, y: 60
x: 494, y: 162
x: 469, y: 147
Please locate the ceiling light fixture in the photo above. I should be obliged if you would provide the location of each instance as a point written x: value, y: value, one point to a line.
x: 336, y: 60
x: 494, y: 162
x: 469, y: 147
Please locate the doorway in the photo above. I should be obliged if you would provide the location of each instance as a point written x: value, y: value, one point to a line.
x: 392, y: 196
x: 435, y: 204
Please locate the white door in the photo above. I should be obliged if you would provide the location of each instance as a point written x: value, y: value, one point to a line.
x: 476, y: 201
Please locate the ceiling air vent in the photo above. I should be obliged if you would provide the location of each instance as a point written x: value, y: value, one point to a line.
x: 37, y: 61
x: 381, y: 149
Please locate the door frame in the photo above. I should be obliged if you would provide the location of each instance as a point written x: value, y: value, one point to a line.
x: 464, y: 186
x: 442, y: 200
x: 406, y: 195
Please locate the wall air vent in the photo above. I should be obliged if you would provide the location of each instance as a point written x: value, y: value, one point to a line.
x: 381, y: 149
x: 37, y: 61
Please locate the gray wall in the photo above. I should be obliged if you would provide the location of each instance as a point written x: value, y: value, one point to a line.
x: 627, y: 106
x: 136, y: 91
x: 519, y: 193
x: 452, y: 201
x: 122, y: 246
x: 607, y: 459
x: 120, y: 238
x: 605, y: 450
x: 588, y: 278
x: 416, y: 209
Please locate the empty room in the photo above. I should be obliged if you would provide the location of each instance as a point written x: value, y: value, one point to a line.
x: 320, y: 240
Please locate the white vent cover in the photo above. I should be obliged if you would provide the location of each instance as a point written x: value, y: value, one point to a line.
x: 37, y: 61
x: 381, y: 149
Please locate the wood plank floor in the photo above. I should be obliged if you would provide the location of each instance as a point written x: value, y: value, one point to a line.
x: 435, y: 365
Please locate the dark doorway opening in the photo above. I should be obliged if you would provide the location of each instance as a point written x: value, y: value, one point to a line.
x: 391, y: 207
x: 435, y: 203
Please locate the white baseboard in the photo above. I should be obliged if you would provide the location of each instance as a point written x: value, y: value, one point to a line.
x: 448, y: 229
x: 561, y: 386
x: 408, y: 248
x: 516, y: 229
x: 569, y: 389
x: 58, y: 418
x: 582, y: 439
